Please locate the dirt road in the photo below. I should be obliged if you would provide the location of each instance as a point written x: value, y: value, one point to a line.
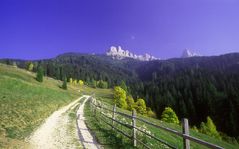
x: 60, y: 131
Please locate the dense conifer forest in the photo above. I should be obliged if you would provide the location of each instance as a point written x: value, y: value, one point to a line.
x: 194, y: 87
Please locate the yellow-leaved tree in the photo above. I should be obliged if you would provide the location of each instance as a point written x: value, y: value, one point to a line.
x: 120, y: 97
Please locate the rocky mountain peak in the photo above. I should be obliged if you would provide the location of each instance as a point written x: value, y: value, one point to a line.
x: 119, y: 53
x: 189, y: 53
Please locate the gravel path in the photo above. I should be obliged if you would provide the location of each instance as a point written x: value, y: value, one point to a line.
x: 54, y: 132
x: 86, y: 138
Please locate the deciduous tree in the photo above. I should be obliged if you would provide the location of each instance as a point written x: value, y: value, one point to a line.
x: 169, y: 116
x: 120, y: 97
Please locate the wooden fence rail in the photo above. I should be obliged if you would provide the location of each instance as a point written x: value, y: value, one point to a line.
x: 184, y: 134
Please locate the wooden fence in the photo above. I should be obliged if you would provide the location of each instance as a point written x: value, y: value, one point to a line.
x: 184, y: 134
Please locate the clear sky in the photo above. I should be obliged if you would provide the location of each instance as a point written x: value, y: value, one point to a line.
x: 33, y: 29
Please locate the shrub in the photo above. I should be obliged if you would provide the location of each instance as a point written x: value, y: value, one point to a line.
x: 140, y: 106
x: 30, y: 66
x: 102, y: 84
x: 130, y: 103
x: 81, y: 82
x: 75, y: 82
x: 150, y: 113
x: 71, y: 80
x: 195, y: 128
x: 169, y: 116
x: 120, y: 97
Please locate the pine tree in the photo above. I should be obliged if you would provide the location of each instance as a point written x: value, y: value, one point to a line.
x: 39, y: 75
x: 93, y: 83
x: 58, y: 73
x: 123, y: 86
x: 64, y: 85
x: 209, y: 128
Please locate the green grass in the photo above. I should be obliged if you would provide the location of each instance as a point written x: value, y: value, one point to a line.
x: 105, y: 135
x: 25, y: 103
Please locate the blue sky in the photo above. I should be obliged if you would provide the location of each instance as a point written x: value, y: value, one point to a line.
x: 34, y: 29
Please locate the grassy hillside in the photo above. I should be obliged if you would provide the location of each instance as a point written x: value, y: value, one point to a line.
x: 25, y: 103
x: 112, y: 139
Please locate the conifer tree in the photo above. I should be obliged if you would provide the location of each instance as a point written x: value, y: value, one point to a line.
x: 123, y: 86
x: 209, y: 128
x: 64, y: 85
x: 39, y: 75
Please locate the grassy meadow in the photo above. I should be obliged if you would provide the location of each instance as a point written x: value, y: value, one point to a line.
x: 25, y: 103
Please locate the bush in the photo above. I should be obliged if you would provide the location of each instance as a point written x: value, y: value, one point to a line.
x: 195, y: 129
x: 150, y: 113
x: 120, y: 97
x: 71, y: 80
x: 30, y: 66
x: 81, y: 82
x: 130, y: 103
x: 102, y: 84
x: 169, y: 116
x: 140, y: 106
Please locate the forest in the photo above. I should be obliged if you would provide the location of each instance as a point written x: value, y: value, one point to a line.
x: 194, y: 87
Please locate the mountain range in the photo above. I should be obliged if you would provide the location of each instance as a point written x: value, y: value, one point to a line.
x: 119, y: 53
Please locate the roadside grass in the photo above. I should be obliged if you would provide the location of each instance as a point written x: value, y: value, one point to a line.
x: 25, y: 103
x: 106, y: 136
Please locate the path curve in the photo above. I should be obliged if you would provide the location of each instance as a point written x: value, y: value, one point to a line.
x: 87, y: 140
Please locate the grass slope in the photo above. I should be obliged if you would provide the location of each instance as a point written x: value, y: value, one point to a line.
x: 25, y: 103
x: 111, y: 139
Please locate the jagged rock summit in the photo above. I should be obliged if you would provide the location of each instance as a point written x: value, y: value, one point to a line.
x: 189, y: 53
x: 119, y: 53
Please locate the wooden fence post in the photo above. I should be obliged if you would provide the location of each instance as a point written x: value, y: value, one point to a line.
x: 186, y: 142
x: 134, y: 129
x: 113, y: 116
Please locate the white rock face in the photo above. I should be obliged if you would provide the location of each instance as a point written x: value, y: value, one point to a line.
x: 189, y: 53
x: 119, y: 53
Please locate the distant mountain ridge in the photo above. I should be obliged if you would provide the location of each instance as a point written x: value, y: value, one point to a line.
x: 119, y: 53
